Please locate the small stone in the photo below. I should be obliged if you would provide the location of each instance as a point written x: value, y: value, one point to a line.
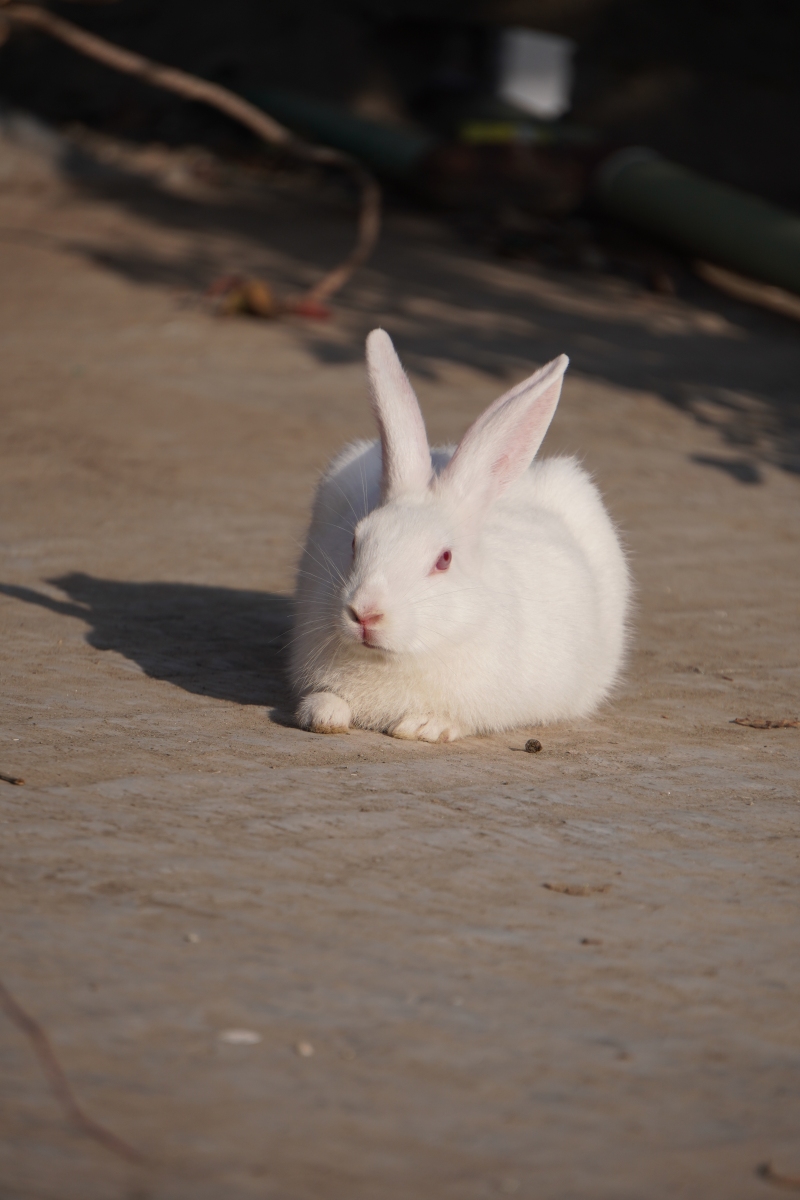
x: 304, y: 1049
x: 194, y: 938
x: 240, y: 1037
x: 509, y: 1187
x: 533, y: 745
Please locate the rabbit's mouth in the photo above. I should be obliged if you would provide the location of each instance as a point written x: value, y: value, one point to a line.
x: 369, y: 639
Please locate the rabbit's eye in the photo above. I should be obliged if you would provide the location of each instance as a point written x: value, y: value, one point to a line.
x: 444, y: 560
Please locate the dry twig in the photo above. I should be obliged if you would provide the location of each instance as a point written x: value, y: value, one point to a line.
x: 766, y: 723
x: 751, y: 291
x: 11, y: 779
x: 577, y: 889
x: 59, y: 1084
x: 191, y: 87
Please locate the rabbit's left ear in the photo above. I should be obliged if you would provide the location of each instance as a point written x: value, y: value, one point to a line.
x: 404, y: 443
x: 501, y: 444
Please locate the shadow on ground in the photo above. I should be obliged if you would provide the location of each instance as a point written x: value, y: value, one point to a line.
x: 212, y: 641
x: 740, y: 469
x: 447, y: 302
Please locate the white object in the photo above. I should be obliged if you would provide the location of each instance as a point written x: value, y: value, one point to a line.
x: 536, y: 72
x: 461, y: 591
x: 240, y: 1037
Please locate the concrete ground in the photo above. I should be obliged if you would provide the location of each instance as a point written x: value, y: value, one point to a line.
x: 435, y: 1021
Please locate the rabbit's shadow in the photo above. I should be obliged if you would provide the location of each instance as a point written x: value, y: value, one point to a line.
x: 213, y: 641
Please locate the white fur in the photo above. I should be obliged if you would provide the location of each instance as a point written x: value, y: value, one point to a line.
x: 528, y: 623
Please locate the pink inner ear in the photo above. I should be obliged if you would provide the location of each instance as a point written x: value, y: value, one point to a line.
x: 498, y: 447
x: 525, y: 439
x: 500, y: 467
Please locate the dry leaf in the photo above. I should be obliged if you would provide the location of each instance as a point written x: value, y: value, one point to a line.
x: 250, y: 296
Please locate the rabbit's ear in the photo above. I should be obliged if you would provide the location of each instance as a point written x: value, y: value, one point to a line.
x: 404, y: 443
x: 501, y: 444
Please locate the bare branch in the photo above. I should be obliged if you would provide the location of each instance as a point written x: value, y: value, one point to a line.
x: 59, y: 1084
x: 191, y: 87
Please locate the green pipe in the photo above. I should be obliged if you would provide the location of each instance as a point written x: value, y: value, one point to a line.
x: 710, y: 219
x: 388, y: 149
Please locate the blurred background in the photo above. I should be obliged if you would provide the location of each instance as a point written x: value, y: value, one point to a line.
x: 515, y: 119
x: 650, y: 143
x: 712, y: 84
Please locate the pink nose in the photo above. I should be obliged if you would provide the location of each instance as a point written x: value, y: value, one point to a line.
x: 365, y: 619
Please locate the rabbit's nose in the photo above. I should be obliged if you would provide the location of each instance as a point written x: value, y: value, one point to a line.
x: 365, y: 619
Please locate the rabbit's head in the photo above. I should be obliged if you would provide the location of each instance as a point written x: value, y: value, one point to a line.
x: 418, y: 571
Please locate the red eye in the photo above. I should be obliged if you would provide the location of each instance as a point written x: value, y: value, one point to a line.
x: 444, y: 560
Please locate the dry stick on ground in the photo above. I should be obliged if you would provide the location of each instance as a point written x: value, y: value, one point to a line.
x: 58, y: 1081
x: 766, y: 723
x: 190, y: 87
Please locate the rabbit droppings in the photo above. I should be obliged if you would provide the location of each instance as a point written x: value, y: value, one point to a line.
x: 457, y: 591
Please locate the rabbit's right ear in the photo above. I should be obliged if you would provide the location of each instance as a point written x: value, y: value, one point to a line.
x: 404, y: 443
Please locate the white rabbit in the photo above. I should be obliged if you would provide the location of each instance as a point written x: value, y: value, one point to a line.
x: 461, y: 591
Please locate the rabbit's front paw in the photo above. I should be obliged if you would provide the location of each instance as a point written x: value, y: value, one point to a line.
x: 324, y: 712
x: 422, y: 728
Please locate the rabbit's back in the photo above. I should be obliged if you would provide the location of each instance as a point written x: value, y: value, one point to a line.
x: 562, y: 587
